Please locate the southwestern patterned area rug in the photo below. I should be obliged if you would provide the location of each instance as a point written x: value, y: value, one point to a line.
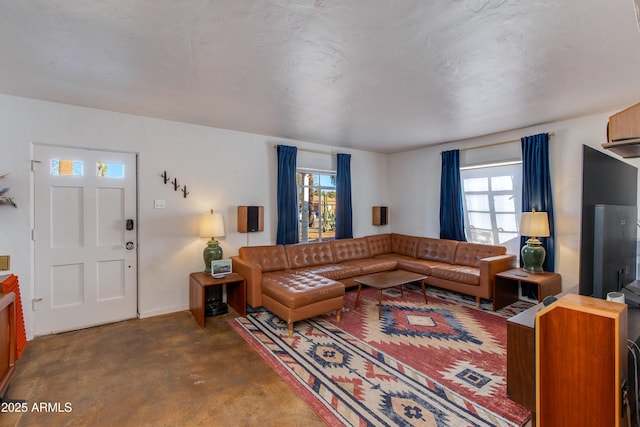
x: 462, y: 348
x: 441, y: 364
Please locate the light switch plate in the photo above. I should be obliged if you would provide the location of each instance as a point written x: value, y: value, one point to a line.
x: 158, y: 204
x: 4, y: 262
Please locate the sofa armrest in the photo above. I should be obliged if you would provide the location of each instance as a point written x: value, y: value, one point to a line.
x: 493, y: 265
x: 252, y: 273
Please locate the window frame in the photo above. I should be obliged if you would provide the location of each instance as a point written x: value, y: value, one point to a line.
x: 319, y: 223
x: 484, y: 171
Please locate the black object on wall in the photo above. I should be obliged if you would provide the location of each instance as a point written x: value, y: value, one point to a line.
x: 250, y: 219
x: 380, y: 215
x: 605, y: 181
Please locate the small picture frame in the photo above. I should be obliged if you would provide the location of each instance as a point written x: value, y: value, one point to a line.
x: 220, y: 268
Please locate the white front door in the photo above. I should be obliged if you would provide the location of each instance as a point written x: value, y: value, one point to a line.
x: 84, y: 238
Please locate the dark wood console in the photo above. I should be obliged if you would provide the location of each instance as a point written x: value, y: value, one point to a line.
x: 521, y: 352
x: 7, y: 339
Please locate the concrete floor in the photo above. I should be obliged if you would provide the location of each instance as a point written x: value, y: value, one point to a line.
x: 160, y: 371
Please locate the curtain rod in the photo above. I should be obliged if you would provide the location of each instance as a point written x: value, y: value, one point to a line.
x: 328, y: 153
x: 496, y: 143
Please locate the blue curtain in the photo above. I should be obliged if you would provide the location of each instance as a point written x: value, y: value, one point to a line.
x: 536, y: 188
x: 344, y: 217
x: 287, y: 196
x: 451, y: 219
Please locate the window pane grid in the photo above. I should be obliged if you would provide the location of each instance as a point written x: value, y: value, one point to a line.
x: 316, y: 205
x: 491, y: 199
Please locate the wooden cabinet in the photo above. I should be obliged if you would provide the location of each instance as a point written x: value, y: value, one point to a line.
x: 10, y: 283
x: 7, y: 339
x: 521, y: 378
x: 521, y: 352
x: 623, y: 132
x: 581, y: 362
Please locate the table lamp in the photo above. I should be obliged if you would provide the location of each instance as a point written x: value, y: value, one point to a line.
x: 211, y: 226
x: 534, y: 224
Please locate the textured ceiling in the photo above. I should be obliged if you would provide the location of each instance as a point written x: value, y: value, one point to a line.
x: 378, y: 75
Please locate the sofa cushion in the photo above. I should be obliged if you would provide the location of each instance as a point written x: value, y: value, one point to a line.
x: 403, y: 244
x: 422, y: 266
x: 457, y: 273
x: 372, y: 265
x: 270, y: 258
x: 295, y: 289
x: 379, y: 244
x: 333, y: 271
x: 395, y: 257
x: 302, y: 255
x: 436, y: 249
x: 471, y: 253
x: 348, y: 249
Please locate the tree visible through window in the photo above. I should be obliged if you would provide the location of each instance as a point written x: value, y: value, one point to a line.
x: 316, y: 206
x: 491, y: 199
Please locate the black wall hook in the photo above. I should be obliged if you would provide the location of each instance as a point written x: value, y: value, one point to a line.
x: 174, y: 182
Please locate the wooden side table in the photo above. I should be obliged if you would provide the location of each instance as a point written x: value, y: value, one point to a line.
x: 236, y: 293
x: 505, y: 285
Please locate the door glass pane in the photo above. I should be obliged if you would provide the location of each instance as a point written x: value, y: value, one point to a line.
x: 480, y: 220
x: 328, y: 214
x: 110, y: 170
x: 506, y: 222
x: 477, y: 202
x: 501, y: 183
x: 476, y: 184
x: 492, y: 204
x: 504, y: 203
x: 66, y: 167
x: 481, y: 236
x: 316, y: 204
x: 510, y: 240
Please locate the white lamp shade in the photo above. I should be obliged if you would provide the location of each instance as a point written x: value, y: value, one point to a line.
x: 534, y: 224
x: 212, y: 225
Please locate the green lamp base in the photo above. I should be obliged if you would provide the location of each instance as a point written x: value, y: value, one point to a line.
x: 532, y: 255
x: 211, y: 253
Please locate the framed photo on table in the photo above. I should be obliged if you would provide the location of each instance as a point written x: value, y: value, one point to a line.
x: 220, y: 268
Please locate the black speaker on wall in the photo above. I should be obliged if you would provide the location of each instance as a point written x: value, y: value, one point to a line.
x: 250, y: 219
x: 380, y: 215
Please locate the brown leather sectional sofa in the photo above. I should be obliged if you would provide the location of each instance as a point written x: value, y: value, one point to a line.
x: 303, y: 280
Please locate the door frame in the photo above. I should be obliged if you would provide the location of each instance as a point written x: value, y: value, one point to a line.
x: 32, y: 183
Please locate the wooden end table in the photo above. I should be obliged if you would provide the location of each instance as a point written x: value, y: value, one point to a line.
x: 236, y: 293
x: 505, y: 285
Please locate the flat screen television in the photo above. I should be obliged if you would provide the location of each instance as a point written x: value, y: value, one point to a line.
x: 606, y: 180
x: 614, y: 248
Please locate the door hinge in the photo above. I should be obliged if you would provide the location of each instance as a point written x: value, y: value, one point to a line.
x: 33, y: 162
x: 33, y: 234
x: 33, y: 303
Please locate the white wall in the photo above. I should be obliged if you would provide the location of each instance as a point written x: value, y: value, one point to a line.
x: 221, y: 169
x: 415, y: 183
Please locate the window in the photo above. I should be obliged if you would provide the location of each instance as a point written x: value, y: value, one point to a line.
x: 110, y: 170
x: 491, y: 199
x: 66, y: 167
x: 316, y: 205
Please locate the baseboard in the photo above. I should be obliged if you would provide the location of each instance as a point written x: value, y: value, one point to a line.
x: 161, y: 311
